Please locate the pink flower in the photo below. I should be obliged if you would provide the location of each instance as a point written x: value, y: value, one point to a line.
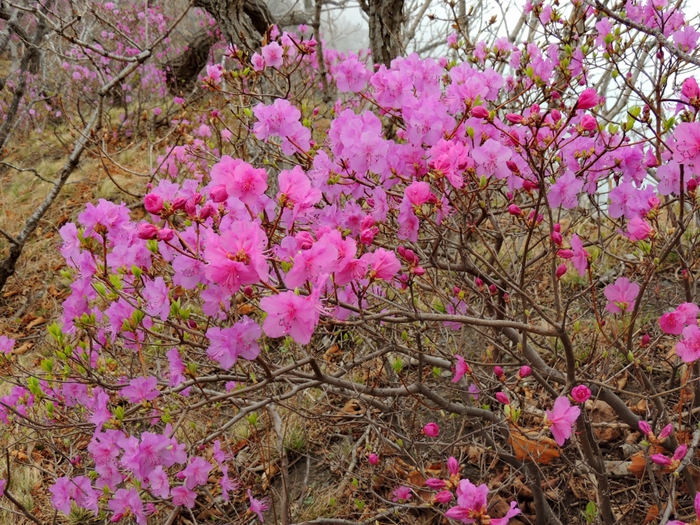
x: 431, y: 430
x: 472, y: 505
x: 588, y: 99
x: 258, y: 506
x: 561, y: 419
x: 373, y: 459
x: 687, y: 141
x: 273, y: 55
x: 580, y: 256
x: 690, y: 88
x: 621, y: 294
x: 196, y: 473
x: 239, y: 340
x: 688, y: 348
x: 290, y: 314
x: 461, y: 368
x: 153, y: 203
x: 384, y: 264
x: 638, y: 229
x: 684, y: 315
x: 580, y: 393
x: 141, y: 389
x: 127, y: 501
x: 6, y: 344
x: 182, y: 496
x: 564, y: 192
x: 402, y: 494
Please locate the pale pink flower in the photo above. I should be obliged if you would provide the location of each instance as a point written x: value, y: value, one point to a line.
x: 621, y: 294
x: 561, y: 419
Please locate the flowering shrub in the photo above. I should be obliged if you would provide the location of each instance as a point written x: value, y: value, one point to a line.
x: 490, y: 201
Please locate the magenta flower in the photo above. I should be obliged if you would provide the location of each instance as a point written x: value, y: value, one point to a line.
x: 196, y: 473
x: 141, y: 389
x: 258, y: 506
x: 402, y: 494
x: 6, y: 344
x: 621, y: 294
x: 588, y: 99
x: 502, y: 398
x: 524, y: 371
x: 662, y: 460
x: 155, y: 294
x: 561, y: 419
x: 580, y: 393
x: 373, y: 459
x: 125, y: 502
x: 645, y: 428
x: 638, y: 229
x: 384, y: 264
x: 431, y: 430
x: 153, y: 203
x: 674, y: 322
x: 472, y: 505
x: 239, y: 340
x: 182, y: 496
x: 688, y: 348
x: 461, y: 368
x: 290, y: 314
x: 227, y: 484
x: 580, y: 256
x: 564, y: 192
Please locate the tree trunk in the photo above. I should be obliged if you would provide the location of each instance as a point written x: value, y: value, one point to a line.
x: 386, y: 18
x: 182, y: 71
x: 242, y: 21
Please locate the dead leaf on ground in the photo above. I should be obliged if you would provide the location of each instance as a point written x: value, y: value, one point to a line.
x: 36, y: 322
x: 532, y: 446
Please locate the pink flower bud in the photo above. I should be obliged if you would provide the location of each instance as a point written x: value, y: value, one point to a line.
x: 493, y: 289
x: 514, y: 118
x: 529, y: 185
x: 561, y: 270
x: 502, y: 398
x: 644, y: 427
x: 218, y: 193
x: 304, y: 240
x: 680, y: 452
x: 512, y: 166
x: 179, y: 203
x: 431, y: 430
x: 692, y: 184
x: 514, y: 210
x: 153, y: 203
x: 208, y: 210
x: 479, y: 283
x: 166, y: 234
x: 373, y: 459
x: 589, y: 123
x: 498, y: 371
x: 645, y: 341
x: 666, y: 431
x: 248, y: 291
x: 367, y: 222
x: 557, y: 238
x: 435, y: 484
x: 580, y: 393
x: 588, y: 99
x: 565, y: 254
x: 654, y: 201
x: 480, y: 112
x: 557, y: 227
x: 453, y: 466
x: 524, y: 371
x: 660, y: 459
x: 146, y: 231
x: 556, y: 114
x: 444, y: 496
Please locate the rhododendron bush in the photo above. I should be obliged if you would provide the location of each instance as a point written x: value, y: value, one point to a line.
x: 474, y: 255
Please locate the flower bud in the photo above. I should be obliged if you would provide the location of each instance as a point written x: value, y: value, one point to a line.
x: 644, y: 427
x: 218, y: 193
x: 153, y: 203
x: 514, y: 118
x: 179, y: 203
x: 498, y: 371
x: 524, y: 371
x: 431, y: 430
x: 502, y: 398
x: 373, y: 459
x: 444, y: 496
x: 580, y: 393
x: 665, y: 432
x: 166, y: 234
x: 645, y: 341
x: 146, y: 231
x: 561, y: 270
x: 480, y: 112
x: 589, y: 123
x: 515, y: 210
x: 453, y: 466
x: 692, y: 185
x: 557, y: 238
x: 435, y: 484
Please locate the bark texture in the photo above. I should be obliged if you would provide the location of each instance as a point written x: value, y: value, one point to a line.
x: 240, y: 20
x: 386, y: 19
x: 181, y: 72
